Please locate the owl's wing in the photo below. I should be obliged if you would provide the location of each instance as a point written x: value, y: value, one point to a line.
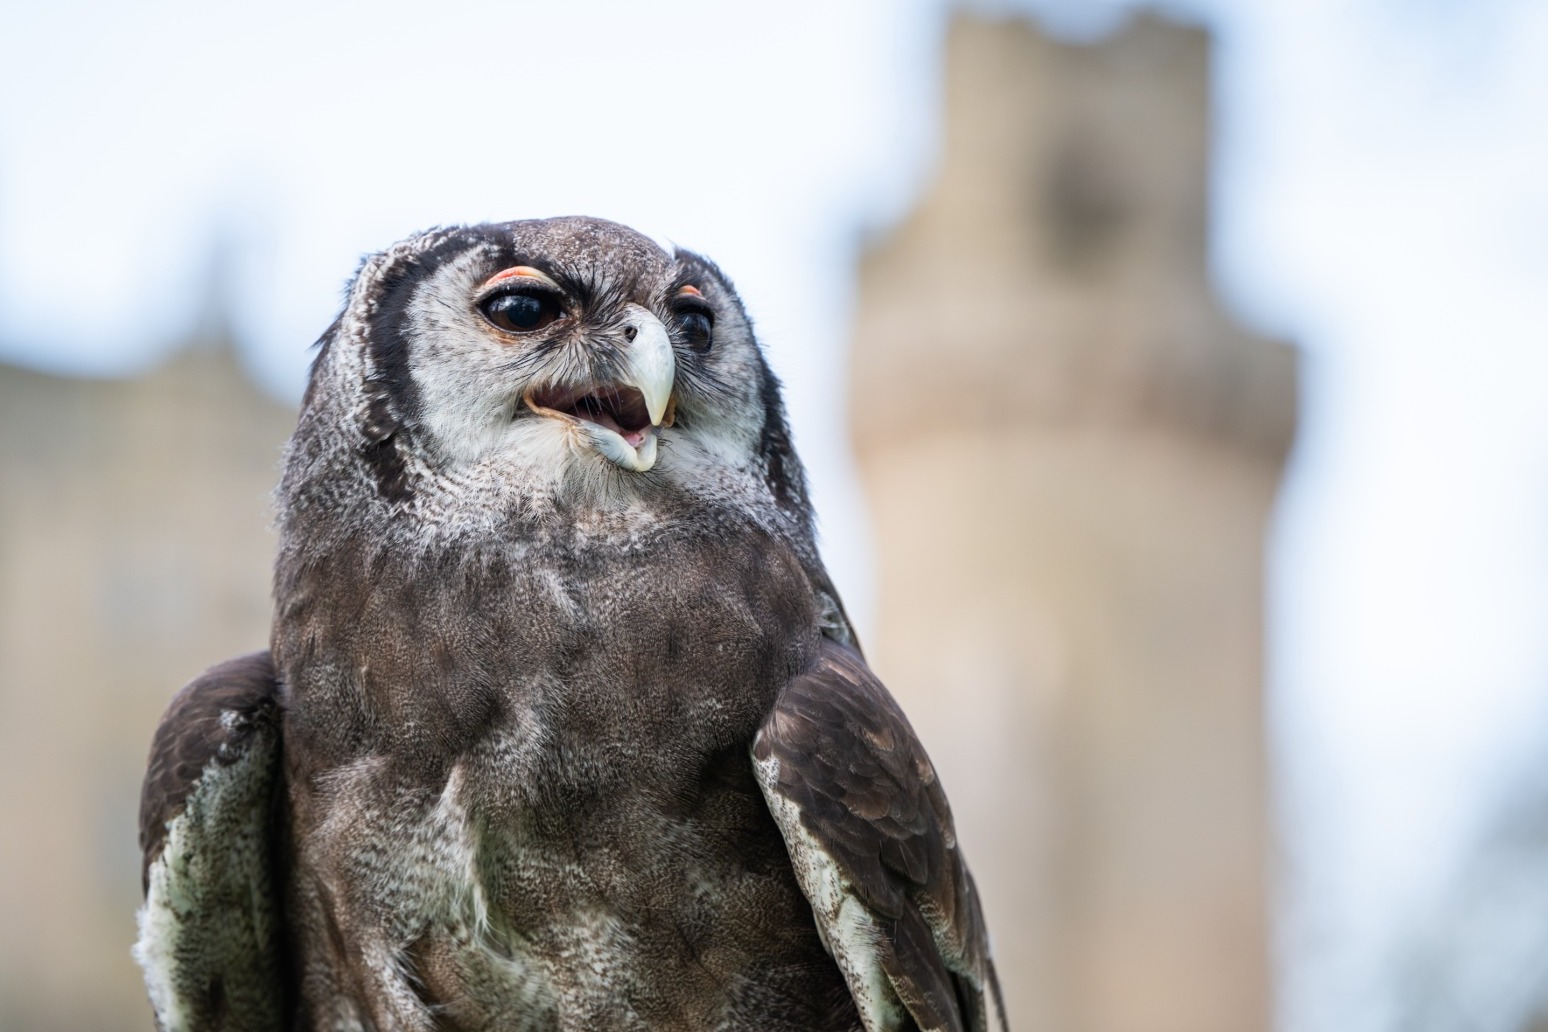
x: 871, y: 839
x: 210, y: 930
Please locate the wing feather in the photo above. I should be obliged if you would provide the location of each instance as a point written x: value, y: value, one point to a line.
x: 872, y: 842
x: 210, y: 928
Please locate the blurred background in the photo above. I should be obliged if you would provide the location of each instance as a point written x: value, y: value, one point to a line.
x: 1172, y: 381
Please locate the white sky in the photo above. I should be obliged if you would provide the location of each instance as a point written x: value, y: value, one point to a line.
x: 1382, y: 199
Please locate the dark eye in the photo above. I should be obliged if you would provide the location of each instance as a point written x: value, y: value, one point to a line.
x: 520, y: 313
x: 698, y: 329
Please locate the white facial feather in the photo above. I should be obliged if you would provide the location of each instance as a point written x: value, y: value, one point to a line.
x: 484, y: 453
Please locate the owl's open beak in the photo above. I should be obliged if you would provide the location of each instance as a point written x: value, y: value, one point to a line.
x: 650, y: 366
x: 620, y: 419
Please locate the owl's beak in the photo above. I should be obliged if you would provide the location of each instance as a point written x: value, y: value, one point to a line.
x: 620, y: 419
x: 650, y: 366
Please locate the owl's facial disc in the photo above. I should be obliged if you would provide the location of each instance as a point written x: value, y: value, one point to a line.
x: 620, y: 419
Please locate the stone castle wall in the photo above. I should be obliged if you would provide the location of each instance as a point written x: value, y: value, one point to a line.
x: 134, y: 552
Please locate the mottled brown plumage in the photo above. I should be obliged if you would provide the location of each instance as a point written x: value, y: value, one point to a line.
x: 839, y: 749
x: 546, y: 575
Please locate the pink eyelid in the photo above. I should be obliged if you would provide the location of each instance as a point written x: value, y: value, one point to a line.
x: 515, y: 272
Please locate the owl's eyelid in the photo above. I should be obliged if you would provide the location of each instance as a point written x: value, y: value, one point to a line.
x: 685, y: 303
x: 509, y: 289
x: 520, y: 272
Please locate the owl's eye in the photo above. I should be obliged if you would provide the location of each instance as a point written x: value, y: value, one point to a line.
x: 698, y: 329
x: 521, y: 313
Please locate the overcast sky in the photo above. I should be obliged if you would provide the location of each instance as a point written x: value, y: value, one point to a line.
x: 1380, y: 200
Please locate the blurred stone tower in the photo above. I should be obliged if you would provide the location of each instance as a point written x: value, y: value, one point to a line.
x: 1071, y: 454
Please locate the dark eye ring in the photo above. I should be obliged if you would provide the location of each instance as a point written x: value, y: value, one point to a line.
x: 698, y: 329
x: 521, y: 312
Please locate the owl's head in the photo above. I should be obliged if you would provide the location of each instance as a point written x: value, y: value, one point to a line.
x: 546, y: 356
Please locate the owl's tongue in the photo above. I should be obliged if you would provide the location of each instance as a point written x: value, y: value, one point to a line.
x: 619, y: 409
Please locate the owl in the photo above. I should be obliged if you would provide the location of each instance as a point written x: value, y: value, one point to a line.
x: 562, y: 724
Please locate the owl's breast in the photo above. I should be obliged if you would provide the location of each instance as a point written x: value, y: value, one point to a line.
x: 681, y: 645
x: 592, y: 651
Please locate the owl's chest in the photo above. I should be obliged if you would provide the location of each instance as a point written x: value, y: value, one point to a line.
x: 678, y: 649
x: 581, y: 661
